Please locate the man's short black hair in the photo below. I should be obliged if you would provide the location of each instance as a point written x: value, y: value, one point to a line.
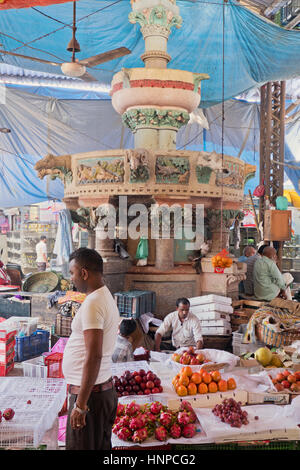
x: 43, y: 237
x: 127, y: 326
x: 182, y: 300
x: 88, y: 259
x: 261, y: 249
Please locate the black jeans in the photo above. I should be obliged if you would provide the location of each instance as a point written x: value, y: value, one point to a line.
x: 96, y: 434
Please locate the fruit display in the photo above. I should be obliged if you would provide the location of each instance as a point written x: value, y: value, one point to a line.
x: 137, y: 383
x: 189, y: 357
x: 222, y: 262
x: 287, y: 380
x: 266, y: 358
x: 230, y: 412
x: 136, y: 423
x: 188, y: 382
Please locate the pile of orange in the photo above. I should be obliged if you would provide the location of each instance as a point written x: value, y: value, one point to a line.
x: 188, y: 382
x: 221, y: 261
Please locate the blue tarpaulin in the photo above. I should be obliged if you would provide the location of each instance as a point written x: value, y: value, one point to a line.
x: 255, y: 50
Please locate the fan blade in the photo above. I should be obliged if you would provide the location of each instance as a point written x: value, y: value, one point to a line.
x: 87, y: 77
x: 105, y: 57
x: 29, y: 58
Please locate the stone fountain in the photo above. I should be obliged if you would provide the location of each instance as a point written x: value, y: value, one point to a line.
x: 155, y: 102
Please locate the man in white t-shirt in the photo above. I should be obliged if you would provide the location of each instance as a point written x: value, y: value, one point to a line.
x: 184, y: 325
x: 41, y: 254
x: 87, y: 357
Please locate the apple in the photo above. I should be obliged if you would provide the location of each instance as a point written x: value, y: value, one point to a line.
x: 279, y: 377
x: 150, y: 384
x: 294, y: 387
x: 176, y: 357
x: 140, y: 392
x: 155, y: 390
x: 145, y: 378
x: 160, y: 389
x: 194, y: 361
x: 200, y: 357
x: 150, y: 376
x: 185, y: 360
x: 286, y: 383
x: 143, y: 385
x: 286, y: 373
x: 138, y: 379
x: 292, y: 379
x: 128, y: 388
x: 279, y: 387
x: 147, y: 391
x: 157, y: 382
x: 142, y: 372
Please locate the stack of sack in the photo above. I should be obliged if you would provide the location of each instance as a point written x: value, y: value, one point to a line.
x: 214, y: 313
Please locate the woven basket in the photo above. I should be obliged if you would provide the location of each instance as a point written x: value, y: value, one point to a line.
x: 272, y: 338
x: 46, y: 281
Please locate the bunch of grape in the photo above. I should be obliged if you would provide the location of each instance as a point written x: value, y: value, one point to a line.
x: 230, y: 412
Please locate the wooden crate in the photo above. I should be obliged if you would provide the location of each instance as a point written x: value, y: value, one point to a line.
x: 63, y: 325
x: 277, y: 225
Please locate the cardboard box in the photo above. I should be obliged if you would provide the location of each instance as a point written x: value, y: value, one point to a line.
x: 279, y: 398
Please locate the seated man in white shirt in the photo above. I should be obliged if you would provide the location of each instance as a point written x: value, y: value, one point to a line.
x: 185, y: 327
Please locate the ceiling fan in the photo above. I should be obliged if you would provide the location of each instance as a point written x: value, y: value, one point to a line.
x: 77, y: 68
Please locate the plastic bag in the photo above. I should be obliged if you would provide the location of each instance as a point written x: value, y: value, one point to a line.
x: 259, y: 191
x: 142, y: 249
x: 221, y: 261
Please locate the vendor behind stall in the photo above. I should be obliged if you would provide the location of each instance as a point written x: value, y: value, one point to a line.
x: 185, y: 327
x: 123, y: 349
x: 268, y: 281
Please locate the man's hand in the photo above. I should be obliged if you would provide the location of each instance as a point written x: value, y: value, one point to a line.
x: 77, y: 419
x: 282, y: 294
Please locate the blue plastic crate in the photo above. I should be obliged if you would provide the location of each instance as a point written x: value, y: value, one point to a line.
x: 30, y: 346
x: 136, y: 302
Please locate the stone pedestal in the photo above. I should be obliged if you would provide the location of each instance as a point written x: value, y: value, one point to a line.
x: 164, y: 260
x: 181, y: 281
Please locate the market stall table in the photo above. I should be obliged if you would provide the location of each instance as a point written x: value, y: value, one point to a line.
x: 36, y: 403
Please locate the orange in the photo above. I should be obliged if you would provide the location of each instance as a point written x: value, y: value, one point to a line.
x: 206, y: 377
x: 231, y: 383
x: 181, y: 390
x: 202, y: 388
x: 212, y: 387
x: 222, y: 385
x: 192, y: 388
x: 175, y: 379
x: 216, y: 376
x: 187, y: 370
x: 196, y: 378
x: 183, y: 380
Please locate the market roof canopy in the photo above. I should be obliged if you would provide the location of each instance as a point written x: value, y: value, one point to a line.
x: 255, y: 50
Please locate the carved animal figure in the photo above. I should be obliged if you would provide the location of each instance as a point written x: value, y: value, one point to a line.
x: 166, y: 170
x: 211, y: 159
x: 184, y: 177
x: 51, y: 162
x: 137, y: 157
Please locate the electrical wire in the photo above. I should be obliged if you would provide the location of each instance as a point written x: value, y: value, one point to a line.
x: 69, y: 25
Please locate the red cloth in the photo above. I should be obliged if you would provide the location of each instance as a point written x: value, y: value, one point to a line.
x: 8, y: 4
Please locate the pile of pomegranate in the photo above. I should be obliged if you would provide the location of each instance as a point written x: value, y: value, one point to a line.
x: 137, y: 383
x: 230, y: 412
x: 136, y: 423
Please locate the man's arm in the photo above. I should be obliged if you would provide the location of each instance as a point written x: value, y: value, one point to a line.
x: 198, y: 334
x: 157, y: 341
x: 93, y: 339
x: 162, y: 331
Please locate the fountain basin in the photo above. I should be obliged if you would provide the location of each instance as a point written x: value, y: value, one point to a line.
x: 156, y: 87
